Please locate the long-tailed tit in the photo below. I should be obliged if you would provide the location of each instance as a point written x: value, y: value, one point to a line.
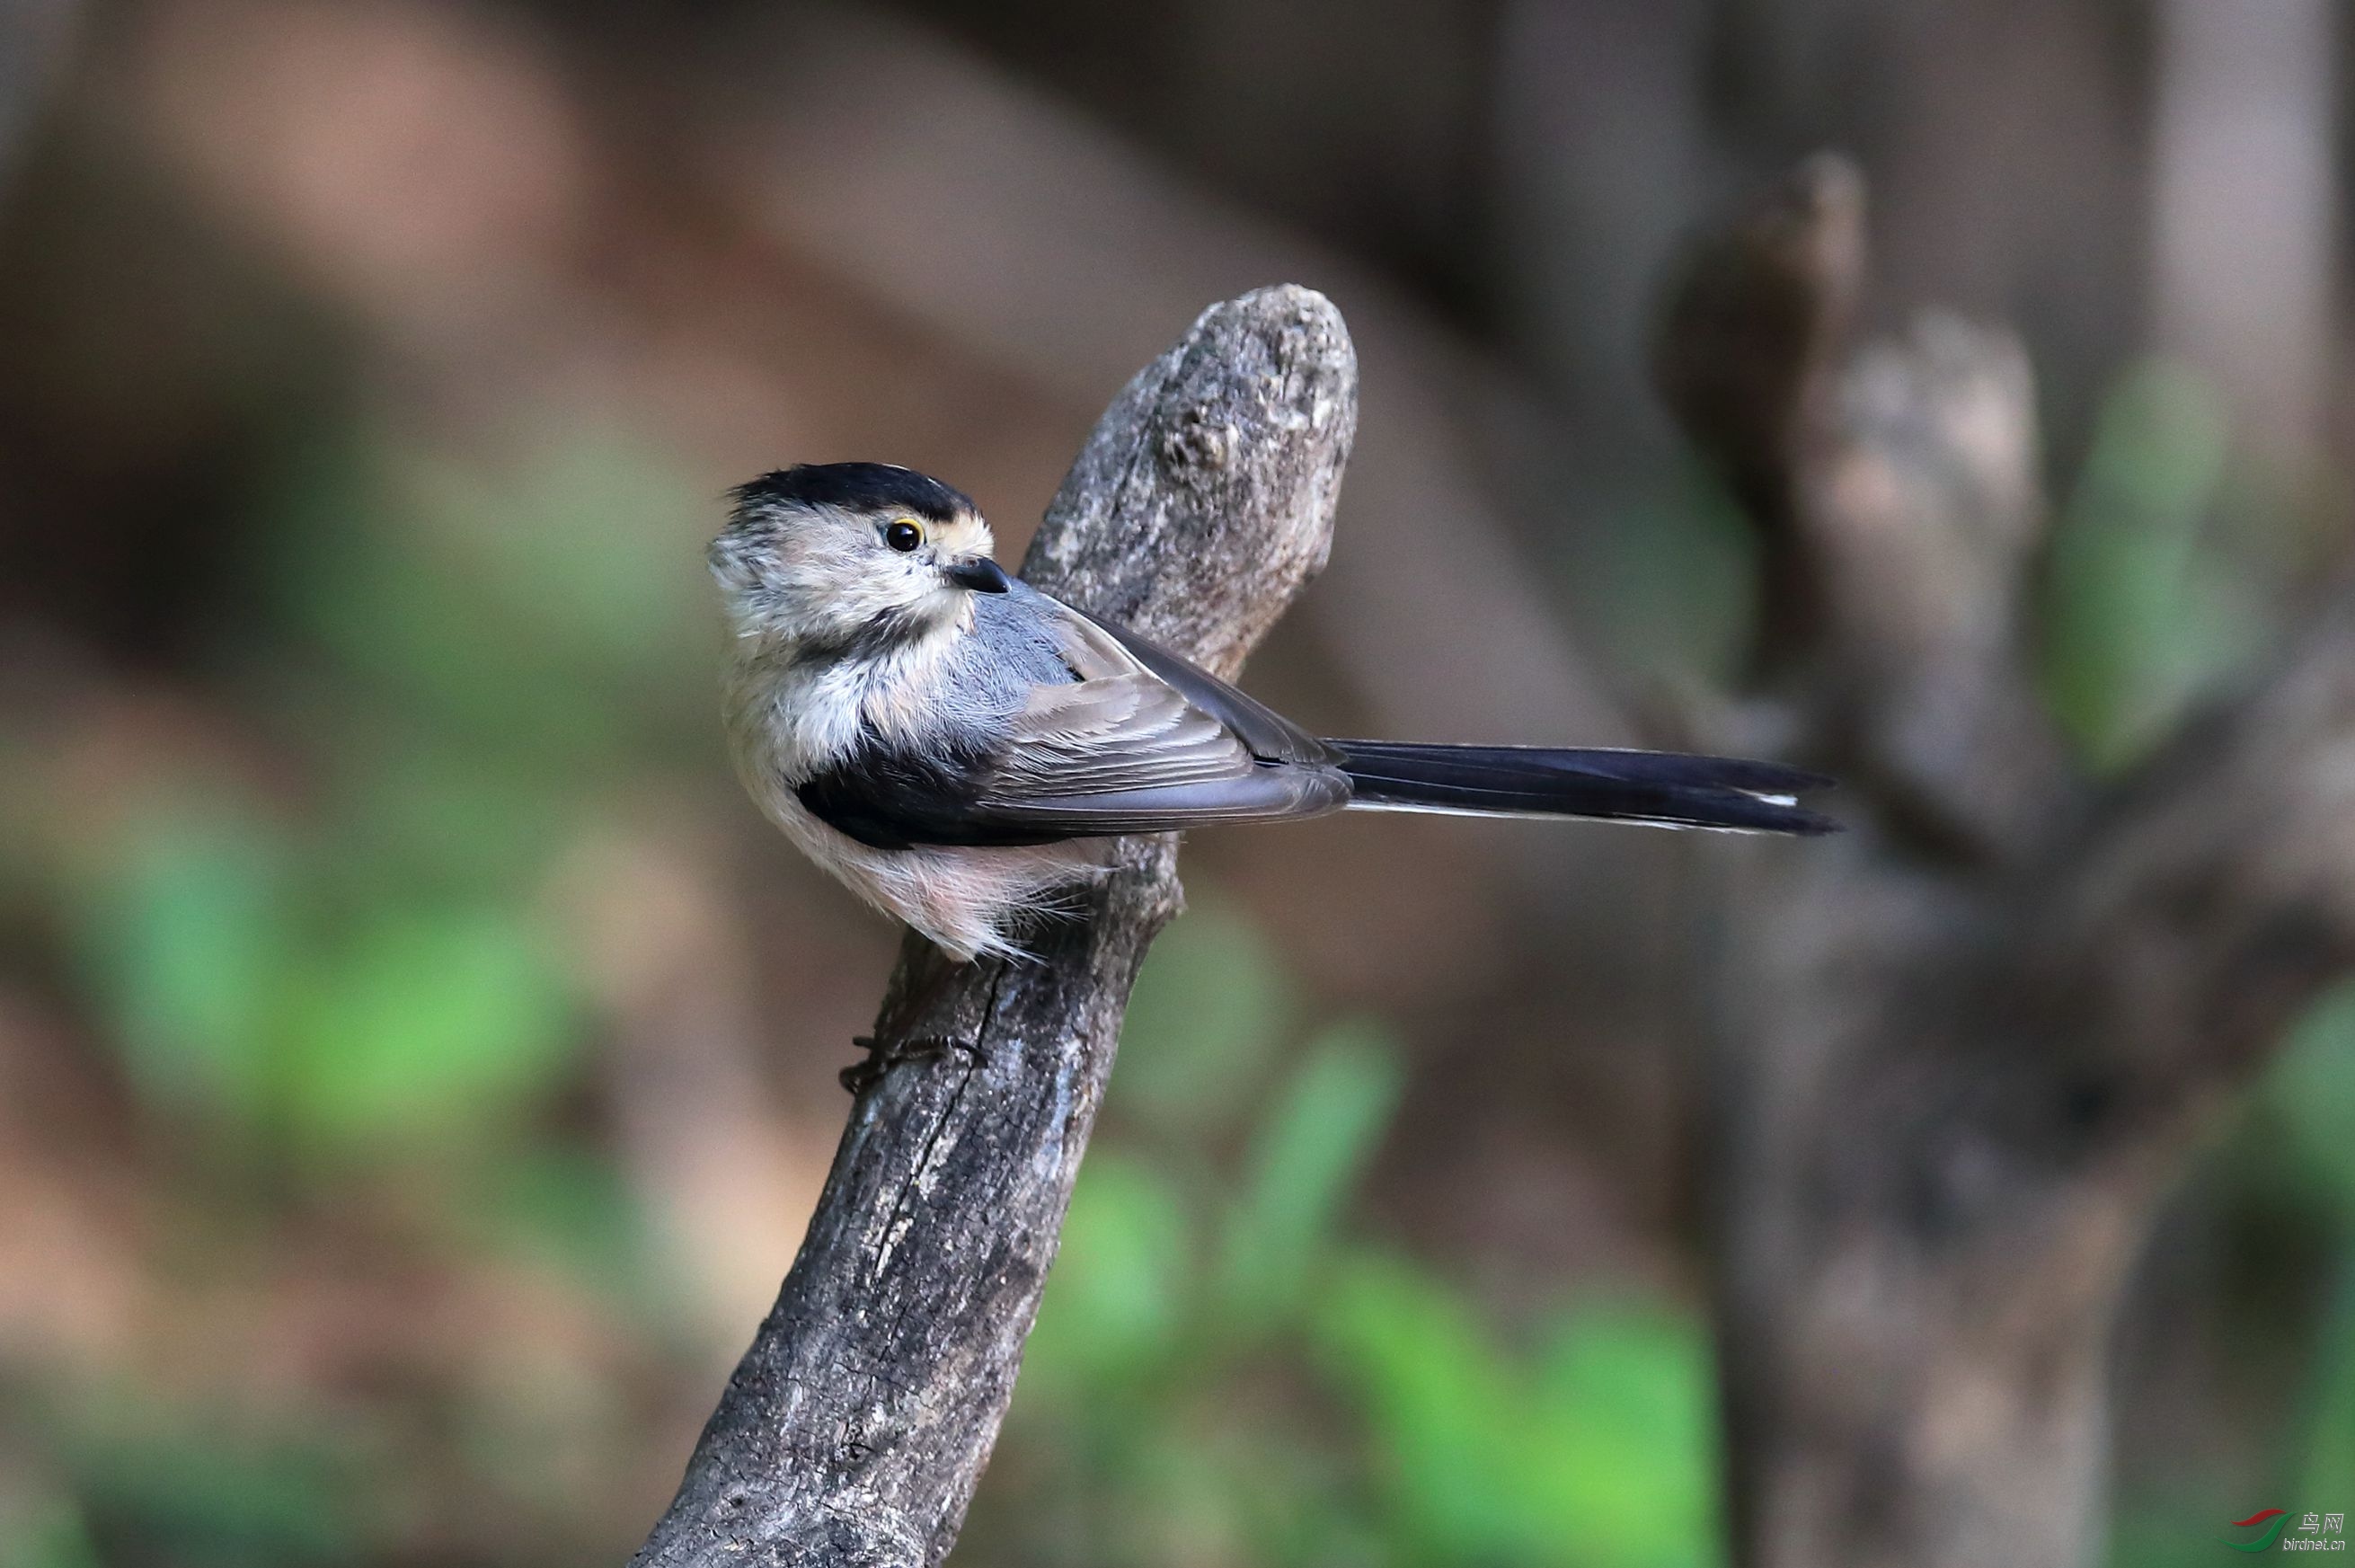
x: 956, y: 746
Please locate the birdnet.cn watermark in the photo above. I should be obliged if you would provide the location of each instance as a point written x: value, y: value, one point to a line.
x: 2274, y: 1527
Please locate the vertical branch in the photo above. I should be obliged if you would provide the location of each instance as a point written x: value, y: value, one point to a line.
x: 1897, y: 502
x: 855, y: 1427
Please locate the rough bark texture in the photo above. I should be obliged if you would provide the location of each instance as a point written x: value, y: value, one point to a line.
x: 1959, y: 1054
x: 855, y: 1427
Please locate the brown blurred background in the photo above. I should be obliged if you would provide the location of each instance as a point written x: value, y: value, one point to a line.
x: 417, y: 1061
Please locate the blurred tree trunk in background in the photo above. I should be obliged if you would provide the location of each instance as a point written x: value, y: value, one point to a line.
x: 2008, y: 143
x: 1961, y: 1054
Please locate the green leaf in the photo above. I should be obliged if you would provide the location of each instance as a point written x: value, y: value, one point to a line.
x: 425, y: 1022
x: 201, y: 1495
x: 1673, y: 588
x: 546, y: 604
x: 2136, y: 615
x: 186, y: 939
x: 1208, y: 1009
x: 1303, y: 1162
x: 573, y: 1206
x: 1439, y: 1406
x: 2330, y: 1436
x: 46, y: 1532
x: 2309, y: 1091
x: 1113, y: 1305
x: 1600, y: 1451
x: 1621, y: 1464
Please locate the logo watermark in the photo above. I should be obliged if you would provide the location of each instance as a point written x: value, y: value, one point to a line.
x: 2310, y: 1532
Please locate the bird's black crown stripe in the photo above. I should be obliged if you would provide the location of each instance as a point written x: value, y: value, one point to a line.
x: 857, y: 487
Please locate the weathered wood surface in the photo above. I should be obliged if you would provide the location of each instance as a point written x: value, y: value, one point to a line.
x: 856, y: 1426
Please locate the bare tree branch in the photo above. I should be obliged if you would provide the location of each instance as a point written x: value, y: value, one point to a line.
x: 1897, y: 498
x: 855, y: 1429
x: 1757, y: 317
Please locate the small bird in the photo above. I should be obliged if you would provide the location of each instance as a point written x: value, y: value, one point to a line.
x: 958, y: 748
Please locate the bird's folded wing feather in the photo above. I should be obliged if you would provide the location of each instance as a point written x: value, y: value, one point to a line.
x: 1124, y: 750
x: 1270, y: 735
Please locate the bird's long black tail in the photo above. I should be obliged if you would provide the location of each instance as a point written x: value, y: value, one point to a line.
x: 1663, y: 788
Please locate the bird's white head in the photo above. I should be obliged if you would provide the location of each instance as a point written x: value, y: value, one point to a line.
x: 851, y: 556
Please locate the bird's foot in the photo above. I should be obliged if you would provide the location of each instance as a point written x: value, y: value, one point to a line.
x: 882, y: 1055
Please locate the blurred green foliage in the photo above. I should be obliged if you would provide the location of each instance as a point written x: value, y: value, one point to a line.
x: 353, y: 996
x: 2284, y: 1182
x: 315, y: 1036
x: 1224, y: 1372
x: 492, y: 644
x: 2309, y: 1094
x: 542, y: 609
x: 1592, y: 1447
x: 1672, y: 588
x: 140, y: 1481
x: 2145, y: 605
x: 2159, y: 587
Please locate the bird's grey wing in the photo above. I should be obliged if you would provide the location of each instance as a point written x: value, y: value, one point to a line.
x: 1132, y: 754
x: 1270, y: 735
x: 1119, y: 749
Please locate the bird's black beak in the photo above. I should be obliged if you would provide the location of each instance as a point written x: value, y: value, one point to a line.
x: 982, y: 576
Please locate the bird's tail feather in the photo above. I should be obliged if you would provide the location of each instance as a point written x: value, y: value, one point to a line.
x: 1663, y: 788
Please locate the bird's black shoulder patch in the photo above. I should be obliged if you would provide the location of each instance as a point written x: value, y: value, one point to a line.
x: 857, y: 487
x: 890, y: 797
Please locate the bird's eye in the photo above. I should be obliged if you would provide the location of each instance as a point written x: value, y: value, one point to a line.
x: 904, y: 534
